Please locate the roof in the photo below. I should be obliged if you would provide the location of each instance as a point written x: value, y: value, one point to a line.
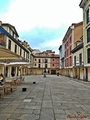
x: 11, y: 26
x: 70, y: 29
x: 82, y: 3
x: 2, y: 30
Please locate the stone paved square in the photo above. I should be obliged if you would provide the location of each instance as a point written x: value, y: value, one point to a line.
x: 51, y: 98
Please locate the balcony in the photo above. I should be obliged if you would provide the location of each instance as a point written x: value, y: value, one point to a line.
x: 2, y: 43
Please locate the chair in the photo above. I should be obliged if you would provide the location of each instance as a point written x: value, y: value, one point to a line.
x: 1, y: 91
x: 10, y: 86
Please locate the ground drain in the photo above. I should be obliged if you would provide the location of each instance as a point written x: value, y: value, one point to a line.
x: 27, y: 100
x: 13, y: 119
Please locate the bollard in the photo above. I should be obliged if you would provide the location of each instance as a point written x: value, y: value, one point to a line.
x: 24, y: 89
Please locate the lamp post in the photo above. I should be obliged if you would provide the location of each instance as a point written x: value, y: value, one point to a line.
x: 45, y: 68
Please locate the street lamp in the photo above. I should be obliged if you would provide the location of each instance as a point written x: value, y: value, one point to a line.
x: 45, y: 67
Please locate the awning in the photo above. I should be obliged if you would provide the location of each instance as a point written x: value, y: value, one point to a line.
x: 7, y: 57
x: 18, y: 63
x: 6, y: 54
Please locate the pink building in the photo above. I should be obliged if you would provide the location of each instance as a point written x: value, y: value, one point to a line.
x: 68, y: 48
x: 73, y: 34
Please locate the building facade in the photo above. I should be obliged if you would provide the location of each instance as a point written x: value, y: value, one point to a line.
x: 73, y: 34
x: 85, y: 5
x: 9, y: 39
x: 45, y: 62
x: 78, y: 59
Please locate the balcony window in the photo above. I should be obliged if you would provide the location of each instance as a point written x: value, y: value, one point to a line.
x: 38, y: 65
x: 80, y: 59
x: 45, y: 65
x: 39, y: 60
x: 15, y: 48
x: 74, y: 60
x: 52, y: 65
x: 46, y: 60
x: 20, y: 51
x: 88, y: 55
x: 88, y: 15
x: 88, y: 35
x: 9, y: 44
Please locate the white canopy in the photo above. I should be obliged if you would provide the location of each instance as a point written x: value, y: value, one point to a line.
x: 6, y: 54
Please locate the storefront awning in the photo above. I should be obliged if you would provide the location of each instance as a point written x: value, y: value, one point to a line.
x: 6, y: 54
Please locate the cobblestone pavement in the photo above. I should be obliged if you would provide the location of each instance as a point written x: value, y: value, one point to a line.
x: 51, y: 98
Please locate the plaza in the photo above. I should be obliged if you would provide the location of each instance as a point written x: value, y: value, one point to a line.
x: 50, y: 98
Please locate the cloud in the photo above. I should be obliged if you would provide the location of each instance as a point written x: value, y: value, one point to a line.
x: 53, y: 44
x: 27, y: 14
x: 38, y: 35
x: 42, y: 23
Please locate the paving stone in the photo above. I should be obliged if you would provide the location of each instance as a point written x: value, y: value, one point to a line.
x: 9, y: 109
x: 52, y: 98
x: 4, y: 116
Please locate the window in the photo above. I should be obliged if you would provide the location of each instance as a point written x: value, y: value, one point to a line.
x: 65, y: 53
x: 70, y: 39
x: 38, y: 65
x: 46, y: 60
x: 88, y: 15
x: 45, y: 65
x: 74, y: 60
x: 35, y: 64
x: 20, y: 51
x: 35, y: 59
x: 88, y: 55
x: 13, y: 34
x: 52, y: 65
x: 80, y: 59
x: 10, y: 30
x: 88, y: 35
x: 70, y: 50
x: 9, y: 44
x: 52, y: 61
x: 70, y: 61
x: 15, y: 48
x: 65, y: 45
x: 24, y: 53
x: 39, y: 60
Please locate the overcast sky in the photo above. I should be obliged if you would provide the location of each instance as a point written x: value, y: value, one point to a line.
x: 42, y: 23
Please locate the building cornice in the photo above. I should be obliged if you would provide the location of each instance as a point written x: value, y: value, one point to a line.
x: 82, y: 3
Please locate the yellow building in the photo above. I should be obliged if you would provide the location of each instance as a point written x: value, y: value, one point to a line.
x: 78, y: 63
x: 85, y: 5
x: 9, y: 39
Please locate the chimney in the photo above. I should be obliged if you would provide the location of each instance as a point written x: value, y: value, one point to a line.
x: 0, y: 23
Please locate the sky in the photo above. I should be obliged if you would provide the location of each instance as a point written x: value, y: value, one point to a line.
x: 41, y: 23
